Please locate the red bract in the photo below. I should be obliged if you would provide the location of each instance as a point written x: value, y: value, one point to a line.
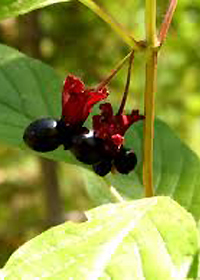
x: 113, y: 127
x: 77, y: 101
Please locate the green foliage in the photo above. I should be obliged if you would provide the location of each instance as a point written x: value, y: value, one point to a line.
x: 10, y: 8
x: 26, y: 86
x: 138, y: 244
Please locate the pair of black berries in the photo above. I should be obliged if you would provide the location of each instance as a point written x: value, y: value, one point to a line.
x: 47, y: 134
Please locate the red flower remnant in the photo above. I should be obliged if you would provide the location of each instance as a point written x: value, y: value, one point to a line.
x: 117, y: 140
x: 113, y: 127
x: 77, y: 101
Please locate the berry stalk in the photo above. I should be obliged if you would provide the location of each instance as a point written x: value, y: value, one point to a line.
x: 113, y: 72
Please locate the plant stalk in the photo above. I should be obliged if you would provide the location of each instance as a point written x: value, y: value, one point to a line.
x: 149, y: 102
x: 149, y: 109
x: 150, y: 24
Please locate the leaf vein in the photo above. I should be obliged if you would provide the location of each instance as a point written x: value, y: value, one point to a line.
x: 44, y: 99
x: 15, y: 88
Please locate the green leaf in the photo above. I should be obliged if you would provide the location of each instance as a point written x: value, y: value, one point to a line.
x: 193, y: 271
x: 11, y: 8
x: 29, y: 90
x: 151, y: 238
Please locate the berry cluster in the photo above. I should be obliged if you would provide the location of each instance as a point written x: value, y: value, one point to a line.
x: 102, y: 147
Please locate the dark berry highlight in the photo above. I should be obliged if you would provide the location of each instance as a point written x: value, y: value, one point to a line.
x: 87, y: 148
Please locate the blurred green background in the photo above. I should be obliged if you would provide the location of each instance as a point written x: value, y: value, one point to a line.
x: 68, y: 36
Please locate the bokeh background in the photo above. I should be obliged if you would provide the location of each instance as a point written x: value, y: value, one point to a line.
x: 69, y: 37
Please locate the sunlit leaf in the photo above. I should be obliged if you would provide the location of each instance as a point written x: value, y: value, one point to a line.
x: 10, y: 8
x: 119, y: 241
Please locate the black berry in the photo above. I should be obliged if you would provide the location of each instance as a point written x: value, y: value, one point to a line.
x: 42, y: 135
x: 66, y: 133
x: 125, y: 161
x: 103, y: 167
x: 87, y: 148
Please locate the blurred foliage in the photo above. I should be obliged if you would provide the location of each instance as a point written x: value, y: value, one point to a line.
x: 73, y: 39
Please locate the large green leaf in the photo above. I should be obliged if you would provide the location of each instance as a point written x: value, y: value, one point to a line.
x: 10, y: 8
x: 31, y: 89
x: 151, y: 238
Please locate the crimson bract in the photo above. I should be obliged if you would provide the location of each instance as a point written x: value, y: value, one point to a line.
x: 112, y: 128
x: 77, y: 101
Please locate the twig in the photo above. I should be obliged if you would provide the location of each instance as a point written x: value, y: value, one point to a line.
x: 167, y: 21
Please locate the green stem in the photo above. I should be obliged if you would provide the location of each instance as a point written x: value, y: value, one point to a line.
x: 150, y: 15
x: 113, y: 72
x: 114, y: 25
x: 150, y: 88
x: 114, y: 193
x: 149, y: 108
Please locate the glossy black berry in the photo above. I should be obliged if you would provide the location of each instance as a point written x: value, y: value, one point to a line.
x: 66, y: 133
x: 125, y: 161
x: 87, y: 148
x: 42, y: 135
x: 103, y: 167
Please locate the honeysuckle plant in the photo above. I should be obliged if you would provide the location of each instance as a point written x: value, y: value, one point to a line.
x: 136, y: 238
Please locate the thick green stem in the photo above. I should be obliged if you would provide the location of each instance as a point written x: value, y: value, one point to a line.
x: 151, y: 71
x: 150, y: 88
x: 150, y: 16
